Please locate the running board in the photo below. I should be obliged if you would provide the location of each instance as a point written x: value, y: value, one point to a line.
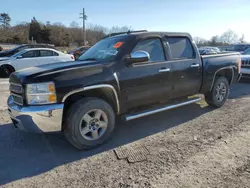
x: 168, y: 107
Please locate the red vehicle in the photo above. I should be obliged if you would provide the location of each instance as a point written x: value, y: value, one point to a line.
x: 79, y: 51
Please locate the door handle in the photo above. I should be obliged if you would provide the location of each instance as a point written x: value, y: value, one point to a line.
x: 195, y: 65
x: 164, y: 70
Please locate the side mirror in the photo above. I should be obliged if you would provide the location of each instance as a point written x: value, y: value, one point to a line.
x: 19, y: 57
x: 137, y: 57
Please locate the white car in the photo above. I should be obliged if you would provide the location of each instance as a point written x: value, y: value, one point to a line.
x: 32, y: 57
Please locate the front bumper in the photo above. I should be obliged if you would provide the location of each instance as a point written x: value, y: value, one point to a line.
x: 245, y: 72
x: 40, y: 119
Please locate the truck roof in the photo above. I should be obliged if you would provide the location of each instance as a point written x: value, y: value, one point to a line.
x: 149, y: 33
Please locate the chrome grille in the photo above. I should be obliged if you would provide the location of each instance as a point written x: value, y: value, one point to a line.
x: 16, y: 91
x: 16, y: 88
x: 17, y: 99
x: 245, y: 63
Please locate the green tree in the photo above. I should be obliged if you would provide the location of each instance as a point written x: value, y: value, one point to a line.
x: 35, y: 31
x: 45, y: 35
x: 5, y: 20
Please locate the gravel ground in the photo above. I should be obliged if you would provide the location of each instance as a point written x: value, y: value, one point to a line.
x: 193, y: 146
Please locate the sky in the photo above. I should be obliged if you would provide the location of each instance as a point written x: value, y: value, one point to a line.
x: 203, y: 18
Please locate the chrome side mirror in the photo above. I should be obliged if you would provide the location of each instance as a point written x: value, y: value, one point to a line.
x: 137, y: 57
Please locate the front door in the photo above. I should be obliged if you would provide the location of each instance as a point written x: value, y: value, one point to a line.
x: 27, y: 59
x: 146, y: 82
x: 186, y: 67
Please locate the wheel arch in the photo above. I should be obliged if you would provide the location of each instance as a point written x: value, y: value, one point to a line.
x: 227, y: 72
x: 103, y: 91
x: 8, y: 65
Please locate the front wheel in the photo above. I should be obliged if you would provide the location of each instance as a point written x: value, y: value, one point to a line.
x: 6, y: 72
x: 219, y: 93
x: 90, y: 122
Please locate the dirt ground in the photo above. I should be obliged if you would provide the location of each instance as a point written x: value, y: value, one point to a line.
x: 193, y: 146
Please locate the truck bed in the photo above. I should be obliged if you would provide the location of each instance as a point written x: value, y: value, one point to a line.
x: 216, y: 62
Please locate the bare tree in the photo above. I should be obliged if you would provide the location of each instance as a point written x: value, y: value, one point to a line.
x: 242, y: 39
x: 200, y: 41
x: 229, y: 37
x: 74, y: 24
x: 117, y: 29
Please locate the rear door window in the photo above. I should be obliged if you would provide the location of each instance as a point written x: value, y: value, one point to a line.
x: 55, y: 54
x: 181, y: 48
x: 46, y: 53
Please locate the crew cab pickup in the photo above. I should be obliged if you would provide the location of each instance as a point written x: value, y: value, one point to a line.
x: 127, y: 75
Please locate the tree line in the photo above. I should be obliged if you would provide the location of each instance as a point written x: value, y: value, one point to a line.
x: 225, y: 39
x: 60, y: 35
x: 52, y: 33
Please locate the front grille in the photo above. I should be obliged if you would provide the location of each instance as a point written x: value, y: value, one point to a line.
x: 18, y: 99
x: 16, y: 91
x: 16, y: 88
x: 245, y: 63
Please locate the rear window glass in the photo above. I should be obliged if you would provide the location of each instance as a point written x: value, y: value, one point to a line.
x: 55, y: 54
x: 181, y: 48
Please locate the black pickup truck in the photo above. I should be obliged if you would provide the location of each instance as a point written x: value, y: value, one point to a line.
x: 127, y: 75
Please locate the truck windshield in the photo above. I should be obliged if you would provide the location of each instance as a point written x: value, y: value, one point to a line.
x: 104, y: 50
x: 246, y: 52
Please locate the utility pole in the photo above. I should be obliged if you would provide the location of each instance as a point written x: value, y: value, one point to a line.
x: 83, y: 17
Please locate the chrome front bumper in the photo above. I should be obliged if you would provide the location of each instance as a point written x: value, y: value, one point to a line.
x: 46, y: 118
x: 245, y: 72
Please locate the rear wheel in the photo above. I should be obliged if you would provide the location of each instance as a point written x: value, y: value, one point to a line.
x: 219, y: 93
x: 90, y: 122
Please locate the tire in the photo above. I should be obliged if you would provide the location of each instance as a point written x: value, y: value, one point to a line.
x: 82, y: 127
x: 219, y: 93
x: 6, y: 71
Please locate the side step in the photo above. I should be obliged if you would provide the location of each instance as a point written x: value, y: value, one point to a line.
x: 154, y: 111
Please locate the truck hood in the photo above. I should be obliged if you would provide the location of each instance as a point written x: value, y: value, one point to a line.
x: 55, y: 68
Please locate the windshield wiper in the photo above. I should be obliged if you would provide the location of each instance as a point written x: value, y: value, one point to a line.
x: 88, y: 59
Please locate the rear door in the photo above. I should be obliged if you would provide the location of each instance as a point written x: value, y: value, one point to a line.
x: 147, y: 82
x: 186, y: 66
x: 27, y: 59
x: 47, y: 57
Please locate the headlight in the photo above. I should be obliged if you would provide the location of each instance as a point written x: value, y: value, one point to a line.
x: 41, y: 93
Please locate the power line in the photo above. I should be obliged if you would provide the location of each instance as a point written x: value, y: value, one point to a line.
x: 83, y: 17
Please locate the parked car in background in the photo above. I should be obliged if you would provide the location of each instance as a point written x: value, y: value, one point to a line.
x: 240, y: 47
x: 206, y: 51
x: 8, y: 53
x: 31, y: 57
x: 216, y: 49
x: 79, y: 51
x: 245, y: 63
x: 131, y: 75
x: 225, y: 48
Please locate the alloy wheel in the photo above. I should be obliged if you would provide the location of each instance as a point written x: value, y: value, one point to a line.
x: 93, y: 124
